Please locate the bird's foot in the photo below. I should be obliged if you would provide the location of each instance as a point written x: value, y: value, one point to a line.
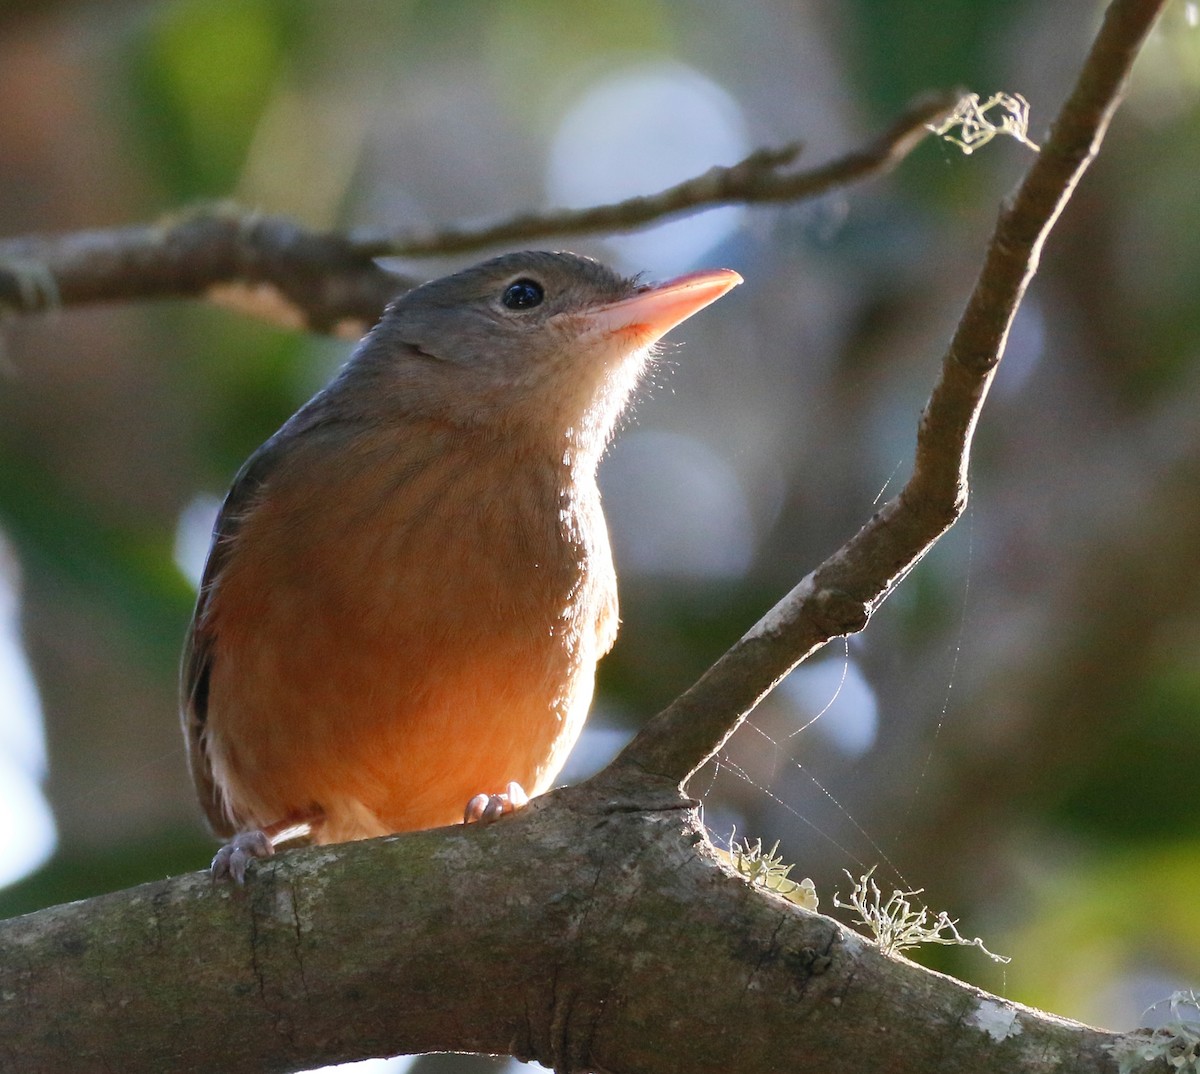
x: 245, y: 847
x: 486, y: 808
x: 234, y: 856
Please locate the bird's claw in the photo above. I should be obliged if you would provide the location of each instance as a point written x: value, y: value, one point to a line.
x: 234, y: 856
x: 485, y: 808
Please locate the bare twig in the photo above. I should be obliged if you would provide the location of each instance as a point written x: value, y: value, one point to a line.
x: 840, y: 596
x: 265, y: 265
x: 275, y: 269
x: 756, y: 179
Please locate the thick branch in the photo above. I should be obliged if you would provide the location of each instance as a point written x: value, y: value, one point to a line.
x: 840, y: 596
x: 579, y: 933
x: 275, y: 269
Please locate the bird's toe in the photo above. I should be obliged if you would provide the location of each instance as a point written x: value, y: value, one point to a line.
x: 233, y: 858
x: 485, y: 808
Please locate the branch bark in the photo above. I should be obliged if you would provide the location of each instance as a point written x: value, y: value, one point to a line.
x: 596, y: 930
x: 600, y: 937
x: 581, y: 933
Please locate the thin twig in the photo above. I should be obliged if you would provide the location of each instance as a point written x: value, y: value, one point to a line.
x: 840, y: 596
x: 757, y: 179
x: 277, y: 270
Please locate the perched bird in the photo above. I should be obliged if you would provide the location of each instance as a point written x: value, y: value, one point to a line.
x: 410, y: 583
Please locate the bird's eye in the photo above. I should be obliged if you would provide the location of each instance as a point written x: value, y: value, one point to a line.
x: 523, y: 295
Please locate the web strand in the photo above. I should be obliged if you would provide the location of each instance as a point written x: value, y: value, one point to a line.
x: 837, y: 805
x: 958, y: 643
x: 836, y: 694
x: 736, y: 769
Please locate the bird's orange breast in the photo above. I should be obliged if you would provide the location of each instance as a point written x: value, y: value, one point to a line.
x: 400, y: 624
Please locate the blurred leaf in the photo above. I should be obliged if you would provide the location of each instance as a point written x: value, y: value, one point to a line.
x: 1118, y: 915
x: 1141, y: 786
x: 960, y: 44
x: 672, y: 633
x: 955, y: 39
x: 124, y: 567
x: 559, y: 42
x: 250, y: 378
x: 1159, y: 342
x: 200, y: 74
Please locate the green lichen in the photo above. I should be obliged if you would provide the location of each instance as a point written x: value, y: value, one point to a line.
x: 767, y: 869
x: 897, y: 924
x: 1176, y: 1042
x: 978, y: 123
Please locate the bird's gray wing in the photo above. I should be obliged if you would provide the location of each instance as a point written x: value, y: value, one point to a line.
x: 317, y: 417
x: 198, y: 648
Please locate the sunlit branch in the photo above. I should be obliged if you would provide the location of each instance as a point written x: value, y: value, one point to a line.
x: 840, y: 596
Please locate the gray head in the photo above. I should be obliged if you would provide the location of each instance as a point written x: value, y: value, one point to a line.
x: 540, y: 344
x: 503, y: 306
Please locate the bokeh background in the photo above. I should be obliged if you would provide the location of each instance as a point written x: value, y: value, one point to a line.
x: 1017, y: 732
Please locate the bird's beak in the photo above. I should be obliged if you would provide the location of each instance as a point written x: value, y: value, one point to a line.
x: 653, y: 311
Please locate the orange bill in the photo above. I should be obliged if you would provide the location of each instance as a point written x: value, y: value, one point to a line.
x: 657, y: 308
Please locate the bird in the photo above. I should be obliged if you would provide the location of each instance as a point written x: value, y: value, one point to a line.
x: 410, y: 583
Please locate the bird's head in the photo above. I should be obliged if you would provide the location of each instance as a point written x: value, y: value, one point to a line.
x: 548, y: 345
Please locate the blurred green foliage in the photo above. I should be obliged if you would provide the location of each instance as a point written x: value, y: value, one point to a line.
x: 198, y: 75
x: 1134, y: 789
x: 125, y: 569
x: 1124, y: 913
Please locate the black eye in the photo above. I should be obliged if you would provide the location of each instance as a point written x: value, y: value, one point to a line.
x: 523, y: 295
